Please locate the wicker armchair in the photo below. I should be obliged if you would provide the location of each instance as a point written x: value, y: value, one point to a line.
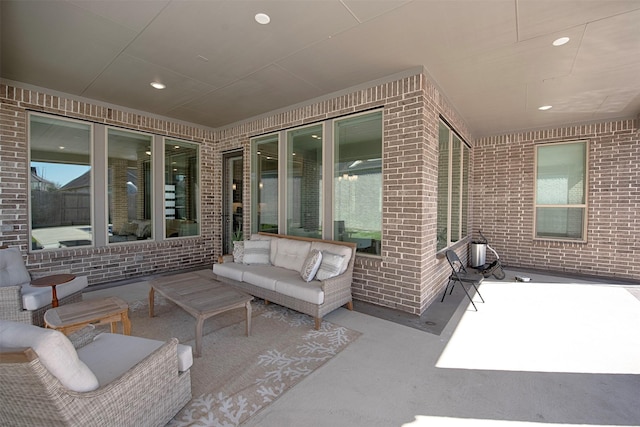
x: 148, y: 393
x: 21, y: 302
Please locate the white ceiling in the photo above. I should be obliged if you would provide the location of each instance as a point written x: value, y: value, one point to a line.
x: 493, y: 59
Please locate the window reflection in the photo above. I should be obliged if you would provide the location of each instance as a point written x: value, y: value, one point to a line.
x: 129, y: 186
x: 264, y: 162
x: 182, y: 192
x: 60, y: 183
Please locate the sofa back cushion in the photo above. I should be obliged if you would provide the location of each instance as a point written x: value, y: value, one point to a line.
x: 291, y: 254
x: 12, y: 269
x: 55, y: 351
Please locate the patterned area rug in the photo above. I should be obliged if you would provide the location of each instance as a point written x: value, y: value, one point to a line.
x: 237, y: 376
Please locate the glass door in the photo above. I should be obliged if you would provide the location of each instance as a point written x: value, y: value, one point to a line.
x: 232, y: 212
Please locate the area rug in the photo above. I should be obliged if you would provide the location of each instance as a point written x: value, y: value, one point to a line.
x: 548, y: 327
x: 237, y: 376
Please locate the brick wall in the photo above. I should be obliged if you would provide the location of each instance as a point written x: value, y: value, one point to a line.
x: 407, y: 276
x: 503, y: 190
x: 112, y: 262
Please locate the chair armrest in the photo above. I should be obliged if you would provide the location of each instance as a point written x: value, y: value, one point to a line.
x: 83, y: 336
x: 10, y: 298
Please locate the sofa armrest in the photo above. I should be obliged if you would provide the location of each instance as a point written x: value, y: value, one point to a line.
x: 225, y: 258
x: 337, y: 283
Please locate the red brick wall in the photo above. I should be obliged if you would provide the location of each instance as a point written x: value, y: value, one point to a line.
x: 503, y: 190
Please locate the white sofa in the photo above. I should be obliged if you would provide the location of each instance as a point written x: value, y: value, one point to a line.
x: 282, y: 271
x: 21, y: 302
x: 90, y: 378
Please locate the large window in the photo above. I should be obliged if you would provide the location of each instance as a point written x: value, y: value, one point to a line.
x: 561, y: 197
x: 304, y: 181
x: 60, y: 182
x: 453, y: 187
x: 181, y: 187
x: 264, y: 184
x: 349, y: 152
x: 78, y: 198
x: 357, y: 180
x: 129, y: 185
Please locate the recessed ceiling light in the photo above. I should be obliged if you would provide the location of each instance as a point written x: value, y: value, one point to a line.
x: 545, y: 107
x: 262, y: 18
x: 561, y: 41
x: 158, y: 85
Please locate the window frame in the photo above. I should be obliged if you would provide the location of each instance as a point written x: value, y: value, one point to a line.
x: 584, y: 206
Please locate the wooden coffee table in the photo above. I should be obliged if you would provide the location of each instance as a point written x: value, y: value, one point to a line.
x: 200, y: 295
x: 71, y: 317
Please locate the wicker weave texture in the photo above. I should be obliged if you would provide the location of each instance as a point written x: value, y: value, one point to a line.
x: 149, y: 394
x: 11, y: 306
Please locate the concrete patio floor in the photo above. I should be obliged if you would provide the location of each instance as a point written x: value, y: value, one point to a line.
x: 398, y: 375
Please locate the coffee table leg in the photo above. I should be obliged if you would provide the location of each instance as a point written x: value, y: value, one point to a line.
x: 248, y: 306
x: 199, y: 324
x: 151, y: 300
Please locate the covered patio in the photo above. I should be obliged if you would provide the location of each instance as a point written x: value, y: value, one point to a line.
x: 559, y: 350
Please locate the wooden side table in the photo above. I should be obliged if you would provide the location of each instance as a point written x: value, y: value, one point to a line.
x: 53, y: 281
x: 71, y: 317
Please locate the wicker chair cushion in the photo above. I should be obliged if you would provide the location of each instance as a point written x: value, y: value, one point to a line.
x: 311, y: 265
x: 55, y: 351
x: 12, y: 269
x: 34, y: 298
x: 111, y: 355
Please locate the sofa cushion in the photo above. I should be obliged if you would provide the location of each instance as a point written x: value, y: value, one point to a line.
x: 266, y: 277
x: 343, y: 250
x: 111, y: 355
x: 256, y: 252
x: 36, y: 297
x: 55, y: 351
x: 311, y: 265
x: 330, y: 266
x: 231, y: 270
x: 238, y: 251
x: 291, y: 254
x: 12, y: 269
x: 297, y: 288
x: 274, y: 245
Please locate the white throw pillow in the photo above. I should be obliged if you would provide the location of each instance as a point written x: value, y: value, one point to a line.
x: 330, y: 265
x: 256, y: 252
x: 12, y: 269
x: 238, y: 251
x: 311, y: 265
x: 55, y: 351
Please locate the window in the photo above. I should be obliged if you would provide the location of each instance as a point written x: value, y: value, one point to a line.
x: 181, y: 187
x: 453, y: 187
x: 264, y: 184
x: 60, y: 182
x: 129, y: 175
x: 357, y: 181
x: 304, y: 181
x: 561, y: 176
x: 349, y: 151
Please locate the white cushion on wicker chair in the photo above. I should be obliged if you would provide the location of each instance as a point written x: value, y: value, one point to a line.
x: 12, y: 269
x: 109, y: 365
x: 55, y: 351
x: 35, y: 297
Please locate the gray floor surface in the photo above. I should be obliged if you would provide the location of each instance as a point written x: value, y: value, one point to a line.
x: 388, y: 377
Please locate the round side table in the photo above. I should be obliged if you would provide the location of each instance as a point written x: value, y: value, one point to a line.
x: 53, y: 281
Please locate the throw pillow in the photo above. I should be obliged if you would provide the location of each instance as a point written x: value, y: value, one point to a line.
x: 311, y: 265
x: 256, y: 252
x: 12, y: 269
x: 330, y: 265
x: 55, y: 351
x: 238, y: 251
